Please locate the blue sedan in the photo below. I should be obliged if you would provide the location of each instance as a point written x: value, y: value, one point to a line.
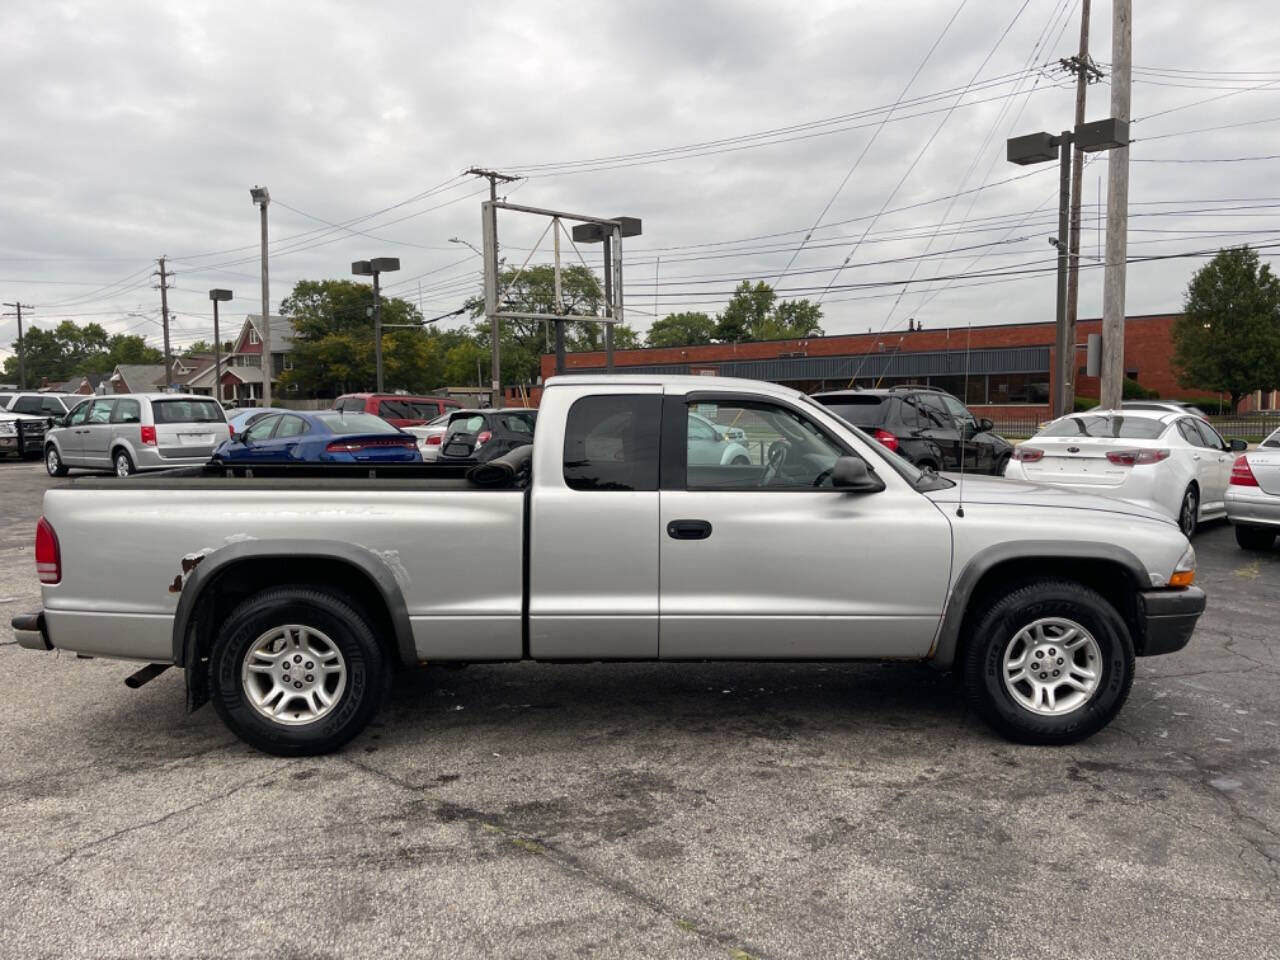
x: 326, y: 436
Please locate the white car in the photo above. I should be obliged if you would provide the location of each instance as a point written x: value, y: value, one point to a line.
x: 430, y: 436
x: 1171, y: 462
x: 1253, y: 496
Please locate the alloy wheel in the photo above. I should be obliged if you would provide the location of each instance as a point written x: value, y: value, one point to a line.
x: 293, y: 674
x: 1052, y: 666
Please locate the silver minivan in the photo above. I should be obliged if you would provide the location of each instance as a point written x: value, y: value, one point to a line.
x: 127, y: 432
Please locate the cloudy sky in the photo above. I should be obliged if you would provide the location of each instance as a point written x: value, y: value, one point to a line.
x: 732, y: 129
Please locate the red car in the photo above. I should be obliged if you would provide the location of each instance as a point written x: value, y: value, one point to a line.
x: 399, y: 410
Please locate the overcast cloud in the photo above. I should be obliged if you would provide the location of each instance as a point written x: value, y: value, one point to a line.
x: 135, y: 129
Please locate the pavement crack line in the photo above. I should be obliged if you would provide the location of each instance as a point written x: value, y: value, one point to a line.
x: 570, y: 864
x: 145, y: 825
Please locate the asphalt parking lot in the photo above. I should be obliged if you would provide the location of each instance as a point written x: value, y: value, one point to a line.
x: 758, y: 810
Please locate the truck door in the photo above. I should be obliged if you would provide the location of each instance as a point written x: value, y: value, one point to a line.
x: 767, y: 560
x: 593, y: 529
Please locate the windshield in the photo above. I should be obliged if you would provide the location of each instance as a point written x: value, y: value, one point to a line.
x: 187, y: 411
x: 900, y: 465
x: 865, y: 411
x: 1273, y: 440
x: 343, y: 422
x: 1118, y: 427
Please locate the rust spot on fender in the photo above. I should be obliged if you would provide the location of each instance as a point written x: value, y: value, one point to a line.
x: 188, y: 563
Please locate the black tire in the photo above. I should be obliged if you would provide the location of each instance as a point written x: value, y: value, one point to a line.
x: 122, y: 463
x: 1189, y: 512
x: 994, y: 631
x: 344, y: 625
x: 740, y: 461
x: 1001, y: 465
x: 1254, y: 538
x: 53, y: 464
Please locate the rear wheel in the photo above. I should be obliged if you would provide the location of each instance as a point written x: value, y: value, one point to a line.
x: 1050, y: 662
x: 1189, y: 512
x: 1255, y: 538
x: 53, y: 462
x: 297, y: 671
x: 1001, y: 465
x: 123, y: 463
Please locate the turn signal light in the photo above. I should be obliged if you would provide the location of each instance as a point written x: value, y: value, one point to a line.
x: 888, y: 439
x: 1136, y: 458
x: 1242, y: 473
x: 48, y: 553
x: 1183, y: 578
x: 1028, y: 454
x: 149, y: 436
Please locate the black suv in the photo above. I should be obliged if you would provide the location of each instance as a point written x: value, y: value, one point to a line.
x: 926, y: 425
x: 482, y: 435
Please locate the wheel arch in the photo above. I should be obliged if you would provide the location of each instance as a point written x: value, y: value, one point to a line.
x: 222, y: 578
x: 1113, y: 571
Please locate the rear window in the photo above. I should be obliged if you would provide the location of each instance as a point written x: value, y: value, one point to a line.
x: 399, y: 409
x: 611, y: 443
x: 187, y: 411
x: 869, y: 411
x: 342, y: 422
x: 1120, y: 427
x: 468, y: 423
x: 519, y: 422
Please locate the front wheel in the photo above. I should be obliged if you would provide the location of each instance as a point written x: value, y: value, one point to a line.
x: 53, y: 462
x: 1254, y: 538
x: 123, y: 463
x: 1050, y: 662
x: 297, y: 671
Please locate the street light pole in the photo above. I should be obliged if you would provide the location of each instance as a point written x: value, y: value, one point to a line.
x: 261, y: 196
x: 1065, y: 345
x: 374, y: 268
x: 216, y: 296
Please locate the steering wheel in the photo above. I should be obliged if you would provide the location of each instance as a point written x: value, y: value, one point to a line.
x: 820, y: 478
x: 778, y: 451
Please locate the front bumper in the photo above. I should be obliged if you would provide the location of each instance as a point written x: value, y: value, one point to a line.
x: 29, y: 631
x: 1251, y: 506
x: 1168, y: 619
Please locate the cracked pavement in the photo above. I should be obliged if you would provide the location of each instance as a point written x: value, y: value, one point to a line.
x: 692, y: 810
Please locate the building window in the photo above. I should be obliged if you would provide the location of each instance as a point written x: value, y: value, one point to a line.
x: 288, y: 362
x: 1013, y: 388
x: 253, y: 336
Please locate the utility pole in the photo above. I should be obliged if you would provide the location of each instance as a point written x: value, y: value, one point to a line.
x: 164, y: 319
x: 262, y: 197
x: 1117, y: 211
x: 489, y: 217
x: 18, y: 307
x: 1086, y: 73
x: 559, y: 304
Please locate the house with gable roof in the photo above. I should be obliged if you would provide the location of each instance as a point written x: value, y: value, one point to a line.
x: 242, y: 367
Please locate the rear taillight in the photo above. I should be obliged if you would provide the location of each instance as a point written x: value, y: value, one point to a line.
x: 1136, y: 458
x: 1242, y: 473
x: 231, y: 431
x: 149, y: 436
x: 48, y: 554
x: 1028, y: 454
x: 887, y: 438
x: 355, y: 446
x: 484, y: 436
x: 434, y: 440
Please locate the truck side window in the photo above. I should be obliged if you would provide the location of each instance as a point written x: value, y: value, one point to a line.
x: 611, y: 443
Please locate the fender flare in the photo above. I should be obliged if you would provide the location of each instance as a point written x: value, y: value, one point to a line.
x: 213, y: 565
x: 948, y: 639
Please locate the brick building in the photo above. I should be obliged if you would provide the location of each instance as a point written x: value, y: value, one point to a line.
x: 1009, y: 365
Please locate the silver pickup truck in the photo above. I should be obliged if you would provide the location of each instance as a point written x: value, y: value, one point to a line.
x: 288, y: 599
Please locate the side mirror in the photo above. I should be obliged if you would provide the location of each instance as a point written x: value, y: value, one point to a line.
x: 852, y: 475
x: 984, y: 425
x: 1237, y: 446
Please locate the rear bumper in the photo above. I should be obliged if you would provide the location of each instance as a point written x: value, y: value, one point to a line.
x: 1169, y: 617
x: 29, y: 631
x: 148, y: 458
x: 1253, y: 507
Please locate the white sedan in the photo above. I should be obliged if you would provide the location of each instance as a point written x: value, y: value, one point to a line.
x: 1171, y: 462
x: 430, y: 435
x: 1253, y: 496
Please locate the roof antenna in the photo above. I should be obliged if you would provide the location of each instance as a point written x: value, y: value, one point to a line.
x: 964, y: 433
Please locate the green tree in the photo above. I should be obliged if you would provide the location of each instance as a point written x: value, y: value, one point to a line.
x: 128, y: 348
x: 1228, y: 337
x: 70, y: 349
x: 682, y: 330
x: 200, y: 346
x: 755, y: 313
x: 333, y: 346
